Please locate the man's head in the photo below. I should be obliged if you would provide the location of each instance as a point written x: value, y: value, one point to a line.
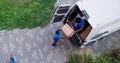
x: 58, y: 31
x: 11, y: 55
x: 77, y: 19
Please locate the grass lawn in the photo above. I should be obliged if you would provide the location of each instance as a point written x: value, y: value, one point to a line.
x: 25, y: 13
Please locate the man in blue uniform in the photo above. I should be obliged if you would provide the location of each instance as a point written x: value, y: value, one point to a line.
x: 80, y: 24
x: 57, y: 36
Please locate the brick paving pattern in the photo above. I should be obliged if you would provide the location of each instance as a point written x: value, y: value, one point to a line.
x: 32, y: 46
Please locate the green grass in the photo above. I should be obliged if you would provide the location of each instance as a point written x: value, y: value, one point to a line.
x: 25, y: 13
x: 114, y: 57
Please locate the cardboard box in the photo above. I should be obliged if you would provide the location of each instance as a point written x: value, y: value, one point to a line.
x: 69, y: 32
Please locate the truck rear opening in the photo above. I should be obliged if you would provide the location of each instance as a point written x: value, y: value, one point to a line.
x: 80, y: 36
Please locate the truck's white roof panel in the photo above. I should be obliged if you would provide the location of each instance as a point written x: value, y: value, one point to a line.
x: 101, y: 12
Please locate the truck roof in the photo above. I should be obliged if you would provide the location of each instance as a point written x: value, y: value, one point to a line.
x: 101, y: 12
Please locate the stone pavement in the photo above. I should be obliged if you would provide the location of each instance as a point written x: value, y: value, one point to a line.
x: 33, y: 46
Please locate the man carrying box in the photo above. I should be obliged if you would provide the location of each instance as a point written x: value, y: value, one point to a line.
x: 80, y: 25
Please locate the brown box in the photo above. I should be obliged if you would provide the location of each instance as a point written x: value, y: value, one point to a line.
x: 69, y: 32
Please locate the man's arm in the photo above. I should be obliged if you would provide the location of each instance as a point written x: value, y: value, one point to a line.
x: 82, y: 26
x: 79, y: 29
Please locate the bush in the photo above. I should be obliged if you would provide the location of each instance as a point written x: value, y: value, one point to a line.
x: 73, y: 58
x: 116, y: 54
x: 83, y: 58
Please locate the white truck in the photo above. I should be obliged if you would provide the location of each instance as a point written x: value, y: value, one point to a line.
x: 103, y: 18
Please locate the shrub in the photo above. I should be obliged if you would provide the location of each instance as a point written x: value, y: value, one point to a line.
x: 116, y: 54
x: 83, y: 58
x: 73, y: 58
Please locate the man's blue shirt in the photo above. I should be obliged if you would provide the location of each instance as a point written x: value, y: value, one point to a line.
x: 57, y: 36
x: 79, y: 25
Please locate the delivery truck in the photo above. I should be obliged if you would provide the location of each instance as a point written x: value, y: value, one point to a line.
x: 103, y: 18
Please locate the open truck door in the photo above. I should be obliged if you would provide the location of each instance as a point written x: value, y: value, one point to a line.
x: 59, y: 14
x: 77, y: 38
